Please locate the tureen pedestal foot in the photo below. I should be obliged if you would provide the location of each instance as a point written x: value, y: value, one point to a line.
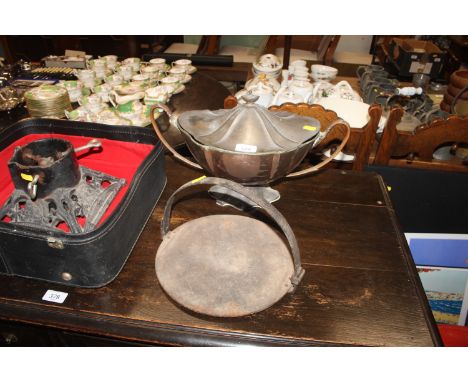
x: 226, y: 197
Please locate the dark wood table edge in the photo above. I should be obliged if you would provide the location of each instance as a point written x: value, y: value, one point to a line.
x: 143, y: 332
x: 154, y: 333
x: 414, y: 277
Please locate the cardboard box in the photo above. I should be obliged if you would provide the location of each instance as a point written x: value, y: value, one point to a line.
x: 410, y: 56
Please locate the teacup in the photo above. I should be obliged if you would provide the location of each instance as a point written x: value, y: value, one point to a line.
x: 111, y: 61
x: 140, y: 78
x: 178, y: 72
x: 79, y: 114
x: 103, y: 91
x: 171, y: 80
x: 73, y: 88
x: 126, y: 71
x: 97, y: 63
x: 134, y: 62
x: 154, y: 95
x: 182, y: 63
x: 92, y: 83
x: 102, y: 73
x: 140, y: 118
x: 85, y: 74
x: 92, y: 103
x: 143, y: 80
x: 110, y: 58
x: 159, y: 63
x: 151, y: 70
x: 114, y: 79
x: 167, y: 88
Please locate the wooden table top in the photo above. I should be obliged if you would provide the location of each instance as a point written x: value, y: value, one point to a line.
x: 360, y: 285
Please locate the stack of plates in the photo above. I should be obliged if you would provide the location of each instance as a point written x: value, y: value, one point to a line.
x: 47, y: 101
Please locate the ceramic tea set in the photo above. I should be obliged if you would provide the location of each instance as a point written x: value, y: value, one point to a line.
x: 296, y: 85
x: 122, y: 93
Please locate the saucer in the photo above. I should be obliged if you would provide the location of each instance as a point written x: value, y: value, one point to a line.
x: 181, y: 88
x: 191, y: 69
x: 186, y: 79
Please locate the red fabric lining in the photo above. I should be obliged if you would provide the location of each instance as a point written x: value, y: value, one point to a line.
x: 117, y: 158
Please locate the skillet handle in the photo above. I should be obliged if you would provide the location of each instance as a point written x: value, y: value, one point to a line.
x: 163, y: 140
x: 331, y: 157
x: 271, y: 211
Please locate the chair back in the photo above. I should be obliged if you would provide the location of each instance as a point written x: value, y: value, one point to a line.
x: 361, y: 140
x: 324, y: 46
x: 439, y: 145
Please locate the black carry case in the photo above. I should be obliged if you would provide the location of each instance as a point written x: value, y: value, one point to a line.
x: 95, y: 258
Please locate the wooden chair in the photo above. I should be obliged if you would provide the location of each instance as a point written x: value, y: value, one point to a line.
x: 320, y: 49
x: 416, y: 149
x: 360, y: 142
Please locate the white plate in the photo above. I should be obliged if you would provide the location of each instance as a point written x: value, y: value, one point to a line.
x: 355, y: 113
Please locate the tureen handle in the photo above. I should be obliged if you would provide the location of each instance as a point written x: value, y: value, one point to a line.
x: 163, y: 140
x: 333, y: 156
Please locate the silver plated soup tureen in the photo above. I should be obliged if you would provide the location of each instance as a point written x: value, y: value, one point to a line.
x: 249, y: 144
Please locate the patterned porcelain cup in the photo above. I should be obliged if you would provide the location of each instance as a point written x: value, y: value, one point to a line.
x: 85, y: 74
x: 150, y: 70
x: 92, y: 103
x: 79, y: 114
x: 102, y: 73
x: 172, y: 81
x: 134, y: 62
x: 154, y: 95
x: 169, y: 89
x: 73, y: 88
x: 182, y: 63
x: 114, y: 79
x: 109, y: 58
x: 159, y: 63
x: 140, y: 77
x: 126, y: 71
x: 178, y: 72
x: 103, y: 91
x: 97, y: 64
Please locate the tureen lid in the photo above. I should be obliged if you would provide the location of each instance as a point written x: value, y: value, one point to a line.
x: 249, y: 128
